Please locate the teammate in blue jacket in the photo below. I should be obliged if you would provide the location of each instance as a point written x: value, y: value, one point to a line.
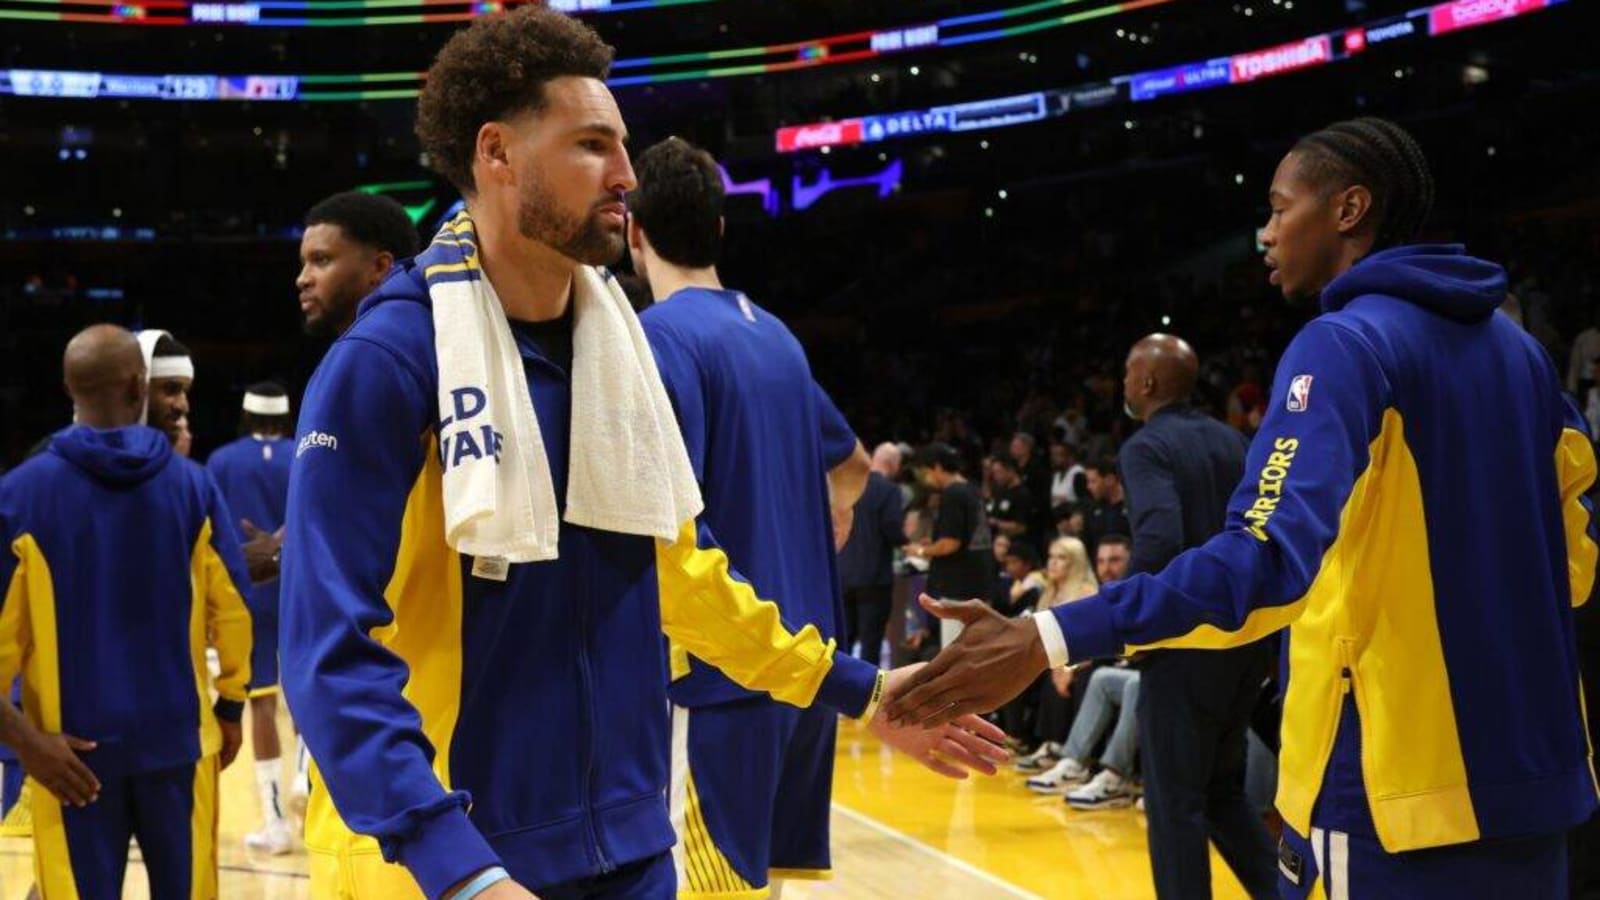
x: 1427, y: 568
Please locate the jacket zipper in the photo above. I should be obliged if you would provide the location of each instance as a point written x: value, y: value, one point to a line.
x: 591, y: 731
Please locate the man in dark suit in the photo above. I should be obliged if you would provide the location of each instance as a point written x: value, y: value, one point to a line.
x: 1178, y: 472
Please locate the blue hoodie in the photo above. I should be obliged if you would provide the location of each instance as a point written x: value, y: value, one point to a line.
x: 114, y: 577
x: 459, y: 721
x: 1414, y: 511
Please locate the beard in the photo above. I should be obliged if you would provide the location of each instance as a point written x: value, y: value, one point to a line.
x: 584, y: 239
x: 319, y: 327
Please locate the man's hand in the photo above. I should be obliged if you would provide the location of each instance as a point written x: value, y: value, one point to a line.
x: 52, y: 760
x: 232, y: 740
x: 1061, y: 680
x: 261, y: 551
x: 967, y: 743
x: 994, y: 660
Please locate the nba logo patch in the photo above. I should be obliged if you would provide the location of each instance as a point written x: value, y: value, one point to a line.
x: 1300, y: 393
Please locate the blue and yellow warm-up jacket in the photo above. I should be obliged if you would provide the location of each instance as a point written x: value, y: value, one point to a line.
x: 117, y: 573
x: 458, y: 721
x: 1414, y: 509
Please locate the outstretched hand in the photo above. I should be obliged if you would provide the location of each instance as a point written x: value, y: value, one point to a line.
x: 993, y: 661
x: 261, y: 551
x: 967, y: 743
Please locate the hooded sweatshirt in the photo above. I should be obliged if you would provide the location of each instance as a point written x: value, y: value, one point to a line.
x: 462, y: 714
x: 114, y: 575
x: 1427, y: 566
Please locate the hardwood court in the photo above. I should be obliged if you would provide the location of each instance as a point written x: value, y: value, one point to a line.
x: 898, y: 832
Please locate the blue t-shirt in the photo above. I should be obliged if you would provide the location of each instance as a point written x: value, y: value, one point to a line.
x: 253, y: 475
x: 762, y: 437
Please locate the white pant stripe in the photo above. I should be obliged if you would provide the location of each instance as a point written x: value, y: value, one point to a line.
x: 1339, y: 866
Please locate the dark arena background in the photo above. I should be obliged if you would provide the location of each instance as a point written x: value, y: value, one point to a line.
x: 967, y: 212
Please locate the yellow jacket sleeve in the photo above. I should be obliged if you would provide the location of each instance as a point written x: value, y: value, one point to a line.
x: 14, y: 630
x: 713, y: 613
x: 1575, y: 472
x: 227, y: 618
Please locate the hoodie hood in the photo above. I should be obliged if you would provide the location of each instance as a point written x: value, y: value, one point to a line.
x: 121, y: 457
x: 1438, y: 277
x: 404, y: 283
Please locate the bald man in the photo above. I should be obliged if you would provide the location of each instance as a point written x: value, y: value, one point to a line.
x: 106, y: 617
x: 1178, y: 473
x: 866, y: 561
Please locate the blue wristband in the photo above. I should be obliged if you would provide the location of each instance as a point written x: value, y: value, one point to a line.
x: 485, y: 880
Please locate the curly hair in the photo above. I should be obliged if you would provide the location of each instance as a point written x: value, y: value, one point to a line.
x: 496, y: 68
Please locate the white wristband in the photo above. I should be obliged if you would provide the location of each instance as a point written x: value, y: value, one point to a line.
x: 1055, y: 643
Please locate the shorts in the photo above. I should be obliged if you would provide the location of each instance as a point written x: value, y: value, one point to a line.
x: 263, y: 650
x: 1332, y: 865
x: 752, y: 791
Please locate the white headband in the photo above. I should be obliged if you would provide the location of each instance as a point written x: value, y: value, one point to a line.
x: 262, y: 405
x: 171, y: 367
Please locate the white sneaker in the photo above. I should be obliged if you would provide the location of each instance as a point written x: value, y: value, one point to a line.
x: 1062, y: 775
x: 1040, y: 759
x: 274, y: 840
x: 1107, y: 790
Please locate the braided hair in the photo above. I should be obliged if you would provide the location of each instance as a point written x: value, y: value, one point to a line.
x: 1382, y: 157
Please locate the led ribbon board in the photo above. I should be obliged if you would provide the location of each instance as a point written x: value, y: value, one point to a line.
x: 1240, y: 68
x: 724, y: 63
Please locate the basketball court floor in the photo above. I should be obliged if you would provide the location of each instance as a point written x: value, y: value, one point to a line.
x: 899, y: 832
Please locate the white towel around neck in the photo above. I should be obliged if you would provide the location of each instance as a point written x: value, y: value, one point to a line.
x: 628, y: 469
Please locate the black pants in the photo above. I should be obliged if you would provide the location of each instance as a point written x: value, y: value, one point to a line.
x: 1194, y: 707
x: 866, y: 615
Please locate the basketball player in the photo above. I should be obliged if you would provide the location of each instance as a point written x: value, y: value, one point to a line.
x: 753, y: 778
x: 351, y: 242
x: 253, y: 475
x: 1433, y: 738
x: 106, y: 617
x: 171, y: 372
x: 489, y: 724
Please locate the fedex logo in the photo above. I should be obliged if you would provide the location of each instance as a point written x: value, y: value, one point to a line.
x: 467, y: 442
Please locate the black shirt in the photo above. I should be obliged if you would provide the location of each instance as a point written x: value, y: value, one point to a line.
x: 1103, y: 519
x: 1014, y: 505
x: 553, y: 337
x: 964, y: 574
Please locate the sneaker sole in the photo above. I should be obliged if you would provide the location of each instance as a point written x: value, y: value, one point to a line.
x: 1108, y: 803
